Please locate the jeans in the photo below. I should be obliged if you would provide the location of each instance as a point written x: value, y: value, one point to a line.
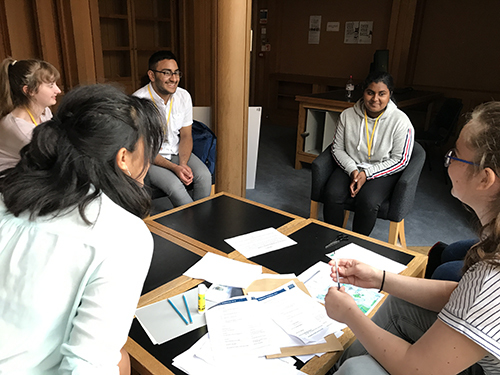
x: 452, y: 260
x: 169, y: 183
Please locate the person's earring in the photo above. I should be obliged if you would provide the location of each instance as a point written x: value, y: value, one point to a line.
x: 130, y: 174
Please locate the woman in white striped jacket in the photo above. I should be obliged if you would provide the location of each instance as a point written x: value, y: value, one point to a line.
x: 434, y: 326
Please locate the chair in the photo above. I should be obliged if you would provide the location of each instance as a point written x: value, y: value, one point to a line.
x: 442, y: 126
x: 394, y: 209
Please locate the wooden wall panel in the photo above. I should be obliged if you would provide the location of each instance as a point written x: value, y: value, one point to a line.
x: 196, y: 49
x: 48, y: 34
x: 4, y: 33
x: 456, y: 50
x: 233, y: 24
x: 331, y: 57
x: 24, y: 41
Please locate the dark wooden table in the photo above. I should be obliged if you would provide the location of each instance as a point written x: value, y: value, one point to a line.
x: 176, y: 250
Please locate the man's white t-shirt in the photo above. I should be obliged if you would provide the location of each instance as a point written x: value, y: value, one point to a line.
x: 181, y: 115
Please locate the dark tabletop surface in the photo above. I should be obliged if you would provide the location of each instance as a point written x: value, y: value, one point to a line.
x: 310, y: 248
x: 215, y: 220
x: 169, y: 262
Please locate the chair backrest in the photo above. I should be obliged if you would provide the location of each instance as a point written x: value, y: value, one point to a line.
x: 446, y: 119
x: 404, y: 192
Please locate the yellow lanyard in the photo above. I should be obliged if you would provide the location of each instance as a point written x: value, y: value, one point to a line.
x: 369, y: 140
x: 31, y: 116
x: 169, y: 111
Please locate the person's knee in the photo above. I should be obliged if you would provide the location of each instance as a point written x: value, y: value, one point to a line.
x: 203, y: 176
x: 451, y: 271
x: 365, y: 203
x: 364, y: 364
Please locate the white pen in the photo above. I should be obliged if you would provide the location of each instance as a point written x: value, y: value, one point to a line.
x: 337, y: 271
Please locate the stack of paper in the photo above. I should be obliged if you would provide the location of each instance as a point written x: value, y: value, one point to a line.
x: 199, y: 360
x: 244, y: 329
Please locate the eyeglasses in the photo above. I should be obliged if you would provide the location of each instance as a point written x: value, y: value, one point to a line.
x: 450, y: 155
x: 168, y: 73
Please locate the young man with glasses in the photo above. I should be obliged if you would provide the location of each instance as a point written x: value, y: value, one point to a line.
x: 175, y: 167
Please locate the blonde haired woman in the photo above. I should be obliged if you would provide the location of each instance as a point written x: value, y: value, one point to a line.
x: 435, y: 326
x: 27, y: 89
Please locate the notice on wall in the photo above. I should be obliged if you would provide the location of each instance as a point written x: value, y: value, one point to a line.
x: 365, y: 32
x: 314, y: 29
x: 333, y: 26
x: 263, y: 16
x: 351, y: 32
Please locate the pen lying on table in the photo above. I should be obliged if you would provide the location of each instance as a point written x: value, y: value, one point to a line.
x: 341, y: 237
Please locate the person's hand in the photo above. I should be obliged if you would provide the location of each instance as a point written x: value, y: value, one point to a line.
x: 358, y: 179
x: 184, y: 173
x: 356, y: 273
x: 339, y: 305
x: 352, y: 186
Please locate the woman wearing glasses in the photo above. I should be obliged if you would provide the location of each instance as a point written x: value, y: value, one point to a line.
x: 435, y: 326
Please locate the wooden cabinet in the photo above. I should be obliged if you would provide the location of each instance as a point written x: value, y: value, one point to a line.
x: 131, y: 31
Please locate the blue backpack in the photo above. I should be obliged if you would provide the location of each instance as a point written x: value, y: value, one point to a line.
x: 204, y: 144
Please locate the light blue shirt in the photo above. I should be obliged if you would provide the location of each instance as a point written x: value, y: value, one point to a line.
x: 68, y: 291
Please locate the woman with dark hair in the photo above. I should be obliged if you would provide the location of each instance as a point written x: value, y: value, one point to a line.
x: 27, y: 89
x: 372, y: 144
x: 436, y: 326
x: 74, y: 251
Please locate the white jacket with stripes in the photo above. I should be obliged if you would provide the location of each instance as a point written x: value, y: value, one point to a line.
x: 392, y: 143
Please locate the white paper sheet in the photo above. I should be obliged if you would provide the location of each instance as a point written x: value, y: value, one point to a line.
x: 193, y: 362
x: 221, y: 270
x: 161, y: 322
x: 353, y: 251
x: 260, y: 242
x: 298, y: 314
x: 239, y: 328
x: 317, y: 280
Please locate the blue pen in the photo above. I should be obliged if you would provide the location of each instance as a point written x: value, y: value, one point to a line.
x: 177, y: 311
x: 187, y: 308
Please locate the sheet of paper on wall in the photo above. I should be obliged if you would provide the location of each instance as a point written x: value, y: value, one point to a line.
x: 224, y: 271
x: 198, y: 360
x: 260, y: 242
x: 351, y: 32
x: 314, y: 29
x: 365, y: 32
x: 353, y: 251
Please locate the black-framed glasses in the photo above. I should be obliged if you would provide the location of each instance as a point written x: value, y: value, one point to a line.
x: 451, y: 155
x: 168, y: 73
